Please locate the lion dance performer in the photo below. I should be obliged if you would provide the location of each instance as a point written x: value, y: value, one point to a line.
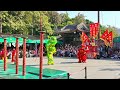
x: 13, y: 55
x: 2, y: 54
x: 50, y: 46
x: 82, y: 54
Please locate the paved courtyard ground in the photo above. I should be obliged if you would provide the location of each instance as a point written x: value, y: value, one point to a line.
x: 96, y: 68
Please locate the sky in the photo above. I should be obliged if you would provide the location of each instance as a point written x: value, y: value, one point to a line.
x: 106, y: 17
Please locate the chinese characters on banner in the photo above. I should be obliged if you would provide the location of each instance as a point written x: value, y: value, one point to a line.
x: 91, y: 30
x: 110, y: 38
x: 107, y: 37
x: 104, y: 35
x: 94, y: 29
x: 84, y: 38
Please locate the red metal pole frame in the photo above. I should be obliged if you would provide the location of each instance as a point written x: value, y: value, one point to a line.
x: 5, y: 51
x: 41, y: 53
x: 24, y: 56
x: 41, y: 48
x: 17, y: 55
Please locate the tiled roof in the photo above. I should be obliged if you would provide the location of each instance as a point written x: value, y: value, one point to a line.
x: 73, y: 28
x: 70, y: 27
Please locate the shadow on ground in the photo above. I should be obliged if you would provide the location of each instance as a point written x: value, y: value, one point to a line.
x: 110, y: 69
x: 67, y: 57
x: 68, y: 62
x: 108, y: 59
x: 38, y: 65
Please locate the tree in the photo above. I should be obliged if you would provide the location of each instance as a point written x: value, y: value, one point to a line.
x: 114, y: 30
x: 69, y: 22
x: 24, y: 22
x: 79, y: 18
x: 102, y: 29
x: 88, y: 22
x: 13, y: 22
x: 54, y: 17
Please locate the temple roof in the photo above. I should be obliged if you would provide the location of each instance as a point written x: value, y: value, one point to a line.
x: 73, y: 28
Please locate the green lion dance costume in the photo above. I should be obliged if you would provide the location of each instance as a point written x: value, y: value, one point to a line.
x: 50, y: 46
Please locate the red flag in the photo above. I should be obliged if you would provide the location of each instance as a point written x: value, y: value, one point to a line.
x: 104, y: 35
x: 84, y: 38
x: 110, y: 37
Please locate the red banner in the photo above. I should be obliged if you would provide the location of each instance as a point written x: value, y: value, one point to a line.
x: 110, y: 37
x: 91, y: 30
x: 84, y: 38
x: 104, y: 35
x: 96, y: 29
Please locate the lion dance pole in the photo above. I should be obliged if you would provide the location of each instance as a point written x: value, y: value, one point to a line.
x: 17, y: 54
x: 24, y: 56
x: 41, y: 48
x: 5, y: 54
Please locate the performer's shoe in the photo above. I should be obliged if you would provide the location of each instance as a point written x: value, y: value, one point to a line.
x: 49, y: 64
x: 12, y: 62
x: 52, y: 63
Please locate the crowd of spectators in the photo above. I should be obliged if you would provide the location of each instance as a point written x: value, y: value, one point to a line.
x: 67, y: 50
x: 104, y: 51
x: 109, y: 52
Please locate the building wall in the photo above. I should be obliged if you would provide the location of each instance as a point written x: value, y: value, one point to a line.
x: 71, y: 38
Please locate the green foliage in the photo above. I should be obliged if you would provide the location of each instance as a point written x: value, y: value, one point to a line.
x: 69, y: 22
x: 113, y: 29
x: 23, y: 22
x: 79, y: 18
x: 88, y: 22
x: 102, y: 29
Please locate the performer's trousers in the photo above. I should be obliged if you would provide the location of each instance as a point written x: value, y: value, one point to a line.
x: 82, y: 58
x: 50, y: 59
x: 13, y: 58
